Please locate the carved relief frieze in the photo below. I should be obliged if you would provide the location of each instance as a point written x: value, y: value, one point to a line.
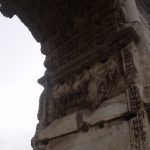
x: 129, y: 66
x: 138, y: 133
x: 88, y: 88
x: 135, y: 98
x: 137, y: 124
x: 130, y: 73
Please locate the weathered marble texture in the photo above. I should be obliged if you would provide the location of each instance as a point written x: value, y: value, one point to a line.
x: 97, y: 80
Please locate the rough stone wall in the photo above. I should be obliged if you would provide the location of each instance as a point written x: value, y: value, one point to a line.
x: 97, y: 83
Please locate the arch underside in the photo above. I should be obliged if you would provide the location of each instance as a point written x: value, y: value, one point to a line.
x: 96, y: 86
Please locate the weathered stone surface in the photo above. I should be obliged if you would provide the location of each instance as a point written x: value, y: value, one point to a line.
x: 109, y: 110
x: 96, y: 138
x: 97, y: 72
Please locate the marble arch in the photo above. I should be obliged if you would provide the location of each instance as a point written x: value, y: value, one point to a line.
x: 97, y: 83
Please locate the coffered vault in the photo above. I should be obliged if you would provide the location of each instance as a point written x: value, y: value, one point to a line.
x: 97, y: 83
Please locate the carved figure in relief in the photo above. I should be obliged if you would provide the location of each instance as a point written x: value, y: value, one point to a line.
x: 81, y: 79
x: 104, y: 82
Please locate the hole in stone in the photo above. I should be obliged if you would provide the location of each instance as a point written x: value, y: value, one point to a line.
x: 101, y: 125
x: 45, y: 142
x: 104, y: 60
x: 128, y: 116
x: 84, y: 127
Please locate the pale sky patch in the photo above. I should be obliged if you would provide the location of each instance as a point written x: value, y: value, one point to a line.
x: 21, y: 64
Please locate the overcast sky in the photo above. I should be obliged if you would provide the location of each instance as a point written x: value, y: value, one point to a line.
x: 21, y: 64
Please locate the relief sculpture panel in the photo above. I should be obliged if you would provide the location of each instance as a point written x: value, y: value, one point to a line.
x: 88, y: 88
x: 91, y: 67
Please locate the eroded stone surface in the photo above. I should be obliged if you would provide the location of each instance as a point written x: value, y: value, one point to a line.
x: 96, y: 138
x: 96, y: 85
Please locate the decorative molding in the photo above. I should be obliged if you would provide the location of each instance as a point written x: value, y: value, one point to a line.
x: 138, y: 134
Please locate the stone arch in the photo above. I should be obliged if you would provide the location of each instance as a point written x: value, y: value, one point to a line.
x: 77, y: 35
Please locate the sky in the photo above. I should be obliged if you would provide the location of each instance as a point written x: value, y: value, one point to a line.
x: 21, y: 64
